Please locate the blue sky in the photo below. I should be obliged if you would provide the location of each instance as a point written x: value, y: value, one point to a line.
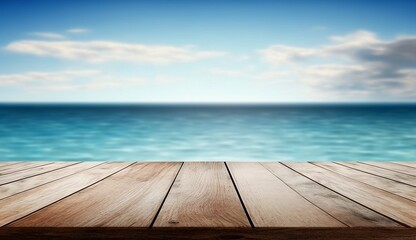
x: 207, y: 51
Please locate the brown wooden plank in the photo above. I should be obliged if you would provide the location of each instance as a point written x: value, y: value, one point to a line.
x: 409, y: 164
x: 203, y: 195
x: 271, y: 203
x: 340, y: 207
x: 29, y: 233
x: 29, y: 183
x: 8, y: 178
x: 136, y: 194
x: 394, y: 167
x: 392, y: 186
x: 388, y: 204
x: 4, y: 164
x: 22, y: 204
x: 20, y: 166
x: 400, y: 177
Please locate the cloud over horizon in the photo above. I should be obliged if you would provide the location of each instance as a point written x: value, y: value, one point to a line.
x: 79, y: 80
x: 48, y: 35
x: 77, y: 30
x: 106, y: 51
x: 56, y: 76
x: 358, y: 63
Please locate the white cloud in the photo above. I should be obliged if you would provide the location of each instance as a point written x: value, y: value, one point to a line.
x: 360, y: 63
x: 105, y: 51
x: 281, y: 54
x: 78, y: 80
x: 343, y: 46
x: 48, y: 35
x: 45, y: 76
x: 77, y: 30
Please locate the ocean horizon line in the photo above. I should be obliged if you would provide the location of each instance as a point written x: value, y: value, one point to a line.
x: 205, y: 103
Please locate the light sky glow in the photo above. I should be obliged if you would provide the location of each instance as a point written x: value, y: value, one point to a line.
x: 207, y: 51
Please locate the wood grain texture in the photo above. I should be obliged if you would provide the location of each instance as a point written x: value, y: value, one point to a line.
x: 392, y: 186
x: 4, y: 164
x: 271, y: 203
x: 20, y: 166
x: 129, y: 198
x: 400, y: 177
x: 26, y: 233
x: 22, y: 185
x: 409, y: 164
x: 25, y: 203
x: 394, y: 167
x: 283, y: 201
x: 340, y: 207
x: 202, y: 195
x: 8, y: 178
x: 388, y: 204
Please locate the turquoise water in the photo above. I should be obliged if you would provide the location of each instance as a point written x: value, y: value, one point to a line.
x: 208, y: 133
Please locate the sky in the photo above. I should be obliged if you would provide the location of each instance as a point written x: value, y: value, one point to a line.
x: 207, y: 51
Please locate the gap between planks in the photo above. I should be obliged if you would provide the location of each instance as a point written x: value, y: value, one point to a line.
x: 399, y: 209
x: 238, y: 185
x: 13, y: 210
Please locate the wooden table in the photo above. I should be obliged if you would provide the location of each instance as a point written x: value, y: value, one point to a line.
x: 202, y: 200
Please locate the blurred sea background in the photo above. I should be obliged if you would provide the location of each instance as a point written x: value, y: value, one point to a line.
x: 157, y: 132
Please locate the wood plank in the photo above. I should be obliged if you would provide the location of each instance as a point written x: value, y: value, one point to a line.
x: 404, y: 178
x: 32, y: 182
x: 395, y: 187
x: 271, y: 203
x: 22, y: 204
x: 4, y: 164
x: 388, y: 204
x: 340, y: 207
x: 20, y: 166
x: 138, y: 192
x: 203, y: 195
x: 8, y: 178
x: 394, y: 167
x: 29, y: 233
x: 409, y: 164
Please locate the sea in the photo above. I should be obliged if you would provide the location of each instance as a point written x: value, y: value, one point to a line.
x: 203, y: 132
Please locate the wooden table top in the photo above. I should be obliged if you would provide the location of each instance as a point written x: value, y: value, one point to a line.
x: 262, y: 199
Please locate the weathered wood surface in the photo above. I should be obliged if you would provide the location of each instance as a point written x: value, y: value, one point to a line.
x: 382, y: 172
x: 392, y: 186
x: 386, y: 203
x: 22, y: 185
x: 203, y: 195
x: 3, y: 164
x: 8, y: 178
x: 11, y: 168
x: 20, y: 205
x: 394, y: 167
x: 409, y: 164
x: 272, y: 203
x: 342, y: 208
x: 139, y: 190
x: 232, y: 199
